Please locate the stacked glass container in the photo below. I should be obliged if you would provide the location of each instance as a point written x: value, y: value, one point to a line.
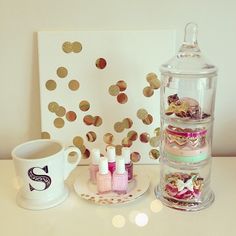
x: 187, y: 114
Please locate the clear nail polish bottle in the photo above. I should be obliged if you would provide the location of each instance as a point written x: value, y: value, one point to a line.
x: 111, y: 155
x: 103, y: 176
x: 93, y: 168
x: 120, y: 177
x: 128, y: 162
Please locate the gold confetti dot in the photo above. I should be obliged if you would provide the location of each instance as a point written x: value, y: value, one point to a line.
x: 76, y: 47
x: 51, y: 85
x: 45, y: 135
x: 91, y: 136
x: 53, y: 106
x: 144, y: 137
x: 84, y: 105
x: 127, y: 122
x: 61, y: 111
x: 67, y: 47
x: 135, y: 156
x: 108, y: 138
x: 73, y: 85
x: 62, y: 72
x: 119, y: 127
x: 132, y: 135
x: 126, y: 142
x: 157, y: 131
x: 59, y: 122
x: 142, y: 114
x: 154, y: 154
x: 114, y: 90
x: 154, y: 141
x: 71, y: 116
x: 148, y: 91
x: 78, y: 141
x: 122, y: 85
x: 155, y: 84
x: 118, y: 150
x: 122, y: 98
x: 148, y: 120
x: 82, y: 148
x: 101, y: 63
x: 151, y: 76
x: 88, y: 120
x: 97, y: 121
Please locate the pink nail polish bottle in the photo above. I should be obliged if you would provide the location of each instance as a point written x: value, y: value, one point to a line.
x: 103, y: 176
x: 93, y: 168
x: 120, y: 177
x: 128, y: 163
x: 111, y: 155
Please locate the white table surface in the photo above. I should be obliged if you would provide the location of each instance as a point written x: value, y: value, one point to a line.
x: 77, y: 216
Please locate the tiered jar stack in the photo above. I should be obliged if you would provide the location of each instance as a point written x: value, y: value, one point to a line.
x: 187, y: 110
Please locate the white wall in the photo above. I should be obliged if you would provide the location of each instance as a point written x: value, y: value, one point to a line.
x: 19, y: 20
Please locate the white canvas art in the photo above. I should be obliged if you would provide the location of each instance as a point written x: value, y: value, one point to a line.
x: 102, y: 88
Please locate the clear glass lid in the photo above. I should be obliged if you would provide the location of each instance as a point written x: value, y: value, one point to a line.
x: 189, y: 60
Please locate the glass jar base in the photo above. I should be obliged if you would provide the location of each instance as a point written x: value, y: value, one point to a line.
x: 184, y: 206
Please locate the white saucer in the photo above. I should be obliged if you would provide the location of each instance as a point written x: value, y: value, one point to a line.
x: 41, y: 204
x: 88, y: 191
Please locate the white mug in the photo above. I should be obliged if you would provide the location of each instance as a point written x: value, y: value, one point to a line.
x: 42, y: 166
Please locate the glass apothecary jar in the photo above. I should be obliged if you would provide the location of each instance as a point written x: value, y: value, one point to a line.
x: 187, y: 114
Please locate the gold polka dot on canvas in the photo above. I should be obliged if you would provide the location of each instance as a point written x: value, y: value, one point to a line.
x: 71, y: 116
x: 91, y: 136
x: 114, y: 90
x: 148, y: 91
x: 148, y: 120
x: 154, y: 141
x: 126, y: 142
x: 78, y: 141
x: 119, y: 127
x: 157, y: 131
x: 122, y: 85
x: 62, y: 72
x: 122, y: 98
x: 73, y: 85
x: 53, y: 106
x: 127, y: 122
x: 45, y: 135
x: 154, y: 154
x: 135, y: 156
x: 84, y: 105
x: 59, y: 122
x: 60, y: 111
x: 97, y: 121
x: 51, y: 85
x: 142, y: 114
x: 108, y: 138
x: 67, y: 47
x: 88, y: 119
x: 76, y: 47
x: 132, y: 135
x: 151, y: 76
x: 144, y: 137
x: 155, y: 84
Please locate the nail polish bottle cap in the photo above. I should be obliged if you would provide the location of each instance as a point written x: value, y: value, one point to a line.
x: 111, y: 154
x: 120, y: 165
x: 95, y: 156
x: 103, y: 166
x: 126, y: 154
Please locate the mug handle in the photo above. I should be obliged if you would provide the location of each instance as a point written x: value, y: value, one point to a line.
x: 71, y: 166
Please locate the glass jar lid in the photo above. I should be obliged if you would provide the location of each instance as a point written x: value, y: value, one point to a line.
x: 189, y: 60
